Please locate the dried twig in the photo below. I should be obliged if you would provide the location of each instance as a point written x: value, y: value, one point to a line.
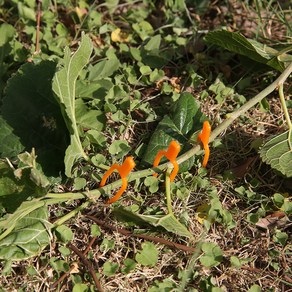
x: 65, y: 275
x: 143, y: 236
x: 88, y: 264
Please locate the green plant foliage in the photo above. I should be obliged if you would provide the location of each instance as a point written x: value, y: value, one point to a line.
x: 104, y: 68
x: 148, y: 256
x: 278, y: 153
x: 235, y: 262
x: 80, y: 288
x: 237, y: 43
x: 64, y: 233
x: 10, y: 143
x: 254, y: 288
x: 129, y: 265
x: 184, y: 119
x: 110, y: 268
x: 16, y: 185
x: 29, y: 237
x: 281, y: 238
x: 36, y: 121
x: 64, y: 83
x: 168, y: 222
x: 166, y: 285
x: 212, y: 254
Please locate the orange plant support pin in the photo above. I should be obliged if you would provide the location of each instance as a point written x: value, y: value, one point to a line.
x: 124, y: 171
x: 204, y: 138
x: 171, y: 154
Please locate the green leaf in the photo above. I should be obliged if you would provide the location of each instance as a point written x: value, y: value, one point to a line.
x: 129, y: 265
x: 148, y: 256
x: 235, y: 262
x: 168, y: 222
x: 64, y: 251
x: 32, y: 114
x: 277, y: 152
x: 64, y: 233
x: 107, y: 244
x: 119, y: 148
x: 29, y: 237
x: 152, y: 183
x: 254, y: 288
x: 145, y: 70
x: 153, y: 44
x: 237, y: 43
x: 212, y: 254
x: 104, y: 68
x: 16, y: 185
x: 110, y: 268
x: 278, y: 200
x: 10, y: 144
x: 167, y: 285
x: 88, y: 118
x: 184, y: 119
x: 64, y: 84
x: 7, y: 33
x: 95, y: 230
x: 281, y: 237
x: 79, y: 183
x: 79, y: 287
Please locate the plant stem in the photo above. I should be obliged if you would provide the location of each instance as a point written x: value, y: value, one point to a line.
x: 284, y: 107
x: 214, y: 134
x: 167, y: 191
x: 71, y: 214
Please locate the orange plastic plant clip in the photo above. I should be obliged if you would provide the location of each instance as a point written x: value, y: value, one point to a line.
x: 204, y: 138
x: 171, y: 154
x: 124, y: 171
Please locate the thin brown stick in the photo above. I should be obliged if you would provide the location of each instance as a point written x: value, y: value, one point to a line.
x: 143, y: 236
x: 38, y: 20
x: 65, y: 275
x: 88, y: 264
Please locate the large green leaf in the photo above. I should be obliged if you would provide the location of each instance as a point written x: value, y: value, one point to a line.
x: 64, y: 84
x: 16, y: 185
x: 10, y: 144
x: 237, y: 43
x: 31, y: 117
x: 184, y: 119
x: 29, y: 236
x: 278, y: 153
x: 168, y: 222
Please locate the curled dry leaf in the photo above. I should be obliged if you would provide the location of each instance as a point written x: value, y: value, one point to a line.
x: 277, y: 219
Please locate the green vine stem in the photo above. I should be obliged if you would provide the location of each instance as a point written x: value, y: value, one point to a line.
x: 96, y: 193
x: 284, y: 106
x: 167, y: 191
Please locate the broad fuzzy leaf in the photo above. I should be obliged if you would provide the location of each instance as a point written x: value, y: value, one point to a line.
x: 29, y: 237
x: 10, y: 144
x: 278, y: 153
x: 237, y: 43
x: 17, y: 185
x: 64, y: 84
x: 31, y: 117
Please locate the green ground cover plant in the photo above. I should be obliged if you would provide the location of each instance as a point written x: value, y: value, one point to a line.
x: 85, y: 84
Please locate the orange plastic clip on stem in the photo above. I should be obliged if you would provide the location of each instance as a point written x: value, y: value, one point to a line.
x: 171, y: 154
x: 204, y: 138
x: 124, y: 171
